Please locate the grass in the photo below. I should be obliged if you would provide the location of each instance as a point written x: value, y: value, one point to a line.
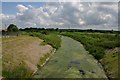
x: 18, y: 72
x: 21, y: 56
x: 110, y: 63
x: 52, y: 38
x: 43, y: 59
x: 9, y: 52
x: 96, y: 43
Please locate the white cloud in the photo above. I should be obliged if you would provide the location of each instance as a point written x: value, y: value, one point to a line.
x: 21, y: 8
x: 30, y: 6
x: 7, y: 19
x: 64, y: 15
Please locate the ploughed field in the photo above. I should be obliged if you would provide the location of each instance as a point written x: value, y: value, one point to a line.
x: 22, y: 55
x: 71, y: 60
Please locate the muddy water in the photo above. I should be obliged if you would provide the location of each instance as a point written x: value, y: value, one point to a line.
x: 71, y: 60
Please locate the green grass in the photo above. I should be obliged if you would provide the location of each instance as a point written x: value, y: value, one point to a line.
x: 96, y: 43
x: 110, y: 63
x: 18, y: 72
x: 43, y: 59
x: 52, y: 38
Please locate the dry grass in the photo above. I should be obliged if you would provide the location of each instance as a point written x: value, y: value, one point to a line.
x: 22, y: 51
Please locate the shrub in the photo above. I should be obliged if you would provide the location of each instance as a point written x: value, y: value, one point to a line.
x: 96, y: 43
x: 12, y: 28
x: 52, y: 39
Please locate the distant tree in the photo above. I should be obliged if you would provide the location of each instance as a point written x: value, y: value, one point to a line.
x: 57, y: 29
x: 12, y: 28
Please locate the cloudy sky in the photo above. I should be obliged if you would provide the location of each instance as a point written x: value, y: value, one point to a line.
x: 75, y: 15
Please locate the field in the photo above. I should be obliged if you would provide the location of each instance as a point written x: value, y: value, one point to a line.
x: 22, y: 55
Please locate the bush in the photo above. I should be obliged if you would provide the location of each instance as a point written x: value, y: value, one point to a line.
x: 12, y: 28
x: 52, y: 39
x: 96, y: 43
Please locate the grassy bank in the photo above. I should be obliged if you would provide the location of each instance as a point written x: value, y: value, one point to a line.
x: 24, y: 62
x: 50, y: 38
x: 21, y: 55
x: 110, y: 62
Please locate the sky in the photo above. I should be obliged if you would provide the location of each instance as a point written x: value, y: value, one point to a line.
x: 73, y: 15
x: 10, y: 7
